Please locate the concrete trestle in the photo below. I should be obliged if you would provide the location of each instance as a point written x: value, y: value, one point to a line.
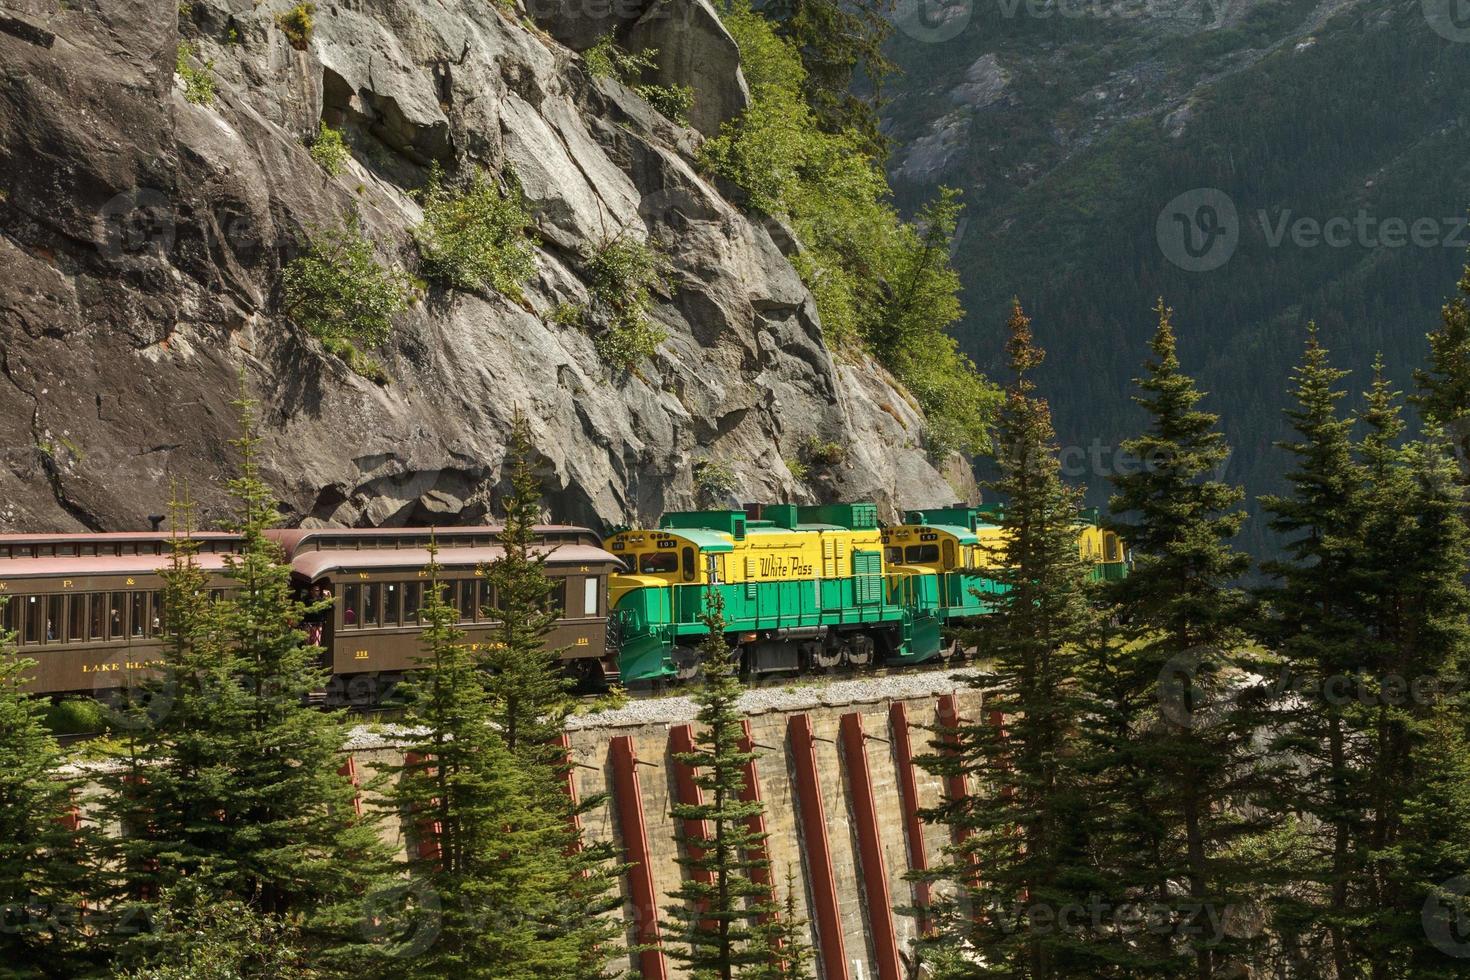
x: 842, y: 796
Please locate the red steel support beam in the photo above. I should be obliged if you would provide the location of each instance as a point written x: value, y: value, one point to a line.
x: 569, y: 785
x: 629, y: 797
x: 818, y: 854
x: 955, y: 786
x: 750, y: 792
x: 681, y: 742
x: 908, y: 788
x: 870, y: 847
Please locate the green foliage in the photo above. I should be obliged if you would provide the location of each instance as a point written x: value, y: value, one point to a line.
x: 42, y: 862
x: 822, y: 452
x: 622, y: 274
x: 714, y: 482
x: 568, y: 314
x: 198, y: 82
x: 673, y: 101
x: 605, y: 59
x: 839, y: 42
x: 492, y: 847
x: 528, y: 698
x: 227, y: 778
x: 76, y: 716
x: 1025, y: 827
x: 1444, y: 384
x: 474, y: 237
x: 783, y: 941
x: 799, y: 469
x: 1173, y: 746
x: 201, y: 938
x: 1371, y: 588
x: 329, y: 150
x: 297, y: 24
x: 880, y: 283
x: 712, y: 926
x: 340, y: 293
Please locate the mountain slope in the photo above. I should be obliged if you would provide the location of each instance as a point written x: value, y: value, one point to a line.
x: 1088, y: 146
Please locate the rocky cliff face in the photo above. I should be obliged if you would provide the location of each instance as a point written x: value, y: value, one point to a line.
x: 142, y: 237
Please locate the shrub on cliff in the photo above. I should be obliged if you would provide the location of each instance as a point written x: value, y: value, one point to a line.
x: 473, y: 236
x: 341, y: 294
x: 198, y: 82
x: 329, y: 150
x: 881, y: 284
x: 622, y: 274
x: 297, y: 25
x: 606, y: 59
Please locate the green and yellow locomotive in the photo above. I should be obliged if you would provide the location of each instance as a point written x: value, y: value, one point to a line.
x: 808, y: 587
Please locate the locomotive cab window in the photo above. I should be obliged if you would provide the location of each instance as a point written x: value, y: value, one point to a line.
x: 688, y: 561
x: 921, y: 554
x: 894, y: 555
x: 658, y: 562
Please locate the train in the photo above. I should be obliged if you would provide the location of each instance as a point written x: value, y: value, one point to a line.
x: 802, y: 588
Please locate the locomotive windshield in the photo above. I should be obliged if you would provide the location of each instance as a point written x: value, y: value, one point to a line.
x: 658, y: 562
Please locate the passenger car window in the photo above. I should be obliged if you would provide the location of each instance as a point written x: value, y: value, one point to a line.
x: 591, y: 593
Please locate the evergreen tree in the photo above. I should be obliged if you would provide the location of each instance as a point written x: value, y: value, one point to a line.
x: 783, y: 940
x: 1443, y: 397
x: 44, y: 861
x: 1024, y: 823
x: 529, y: 702
x: 1406, y: 702
x: 1172, y: 748
x: 208, y: 940
x: 233, y: 780
x: 720, y: 895
x: 528, y: 685
x: 485, y: 849
x: 1316, y: 625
